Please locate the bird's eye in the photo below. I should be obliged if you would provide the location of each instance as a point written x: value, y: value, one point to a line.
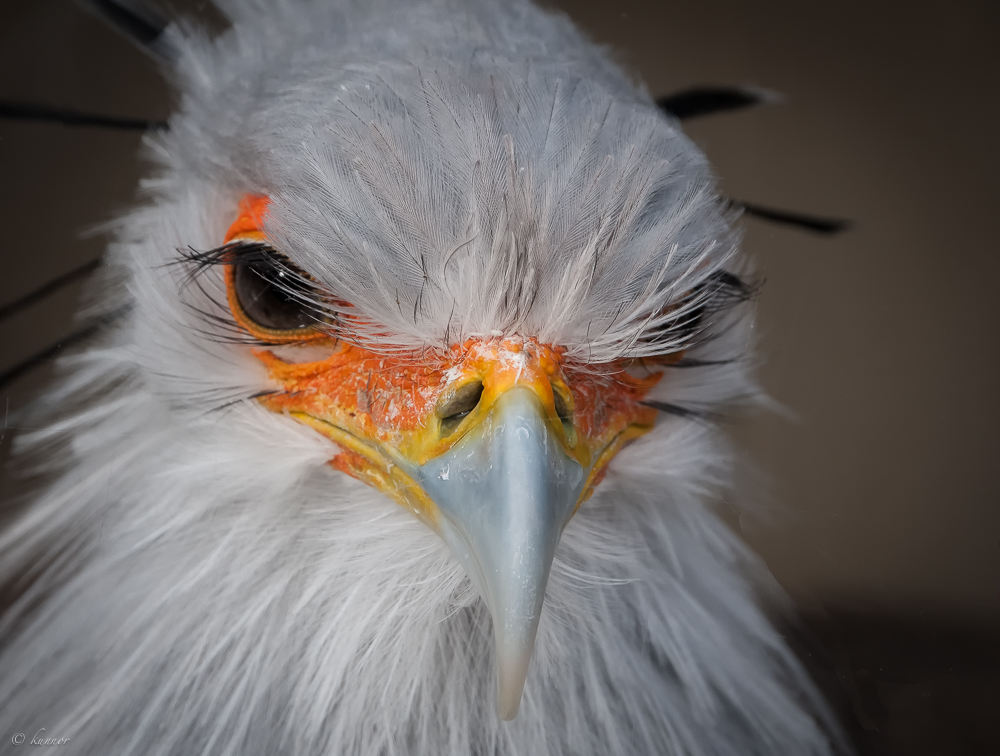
x: 272, y: 292
x: 458, y: 405
x: 686, y: 326
x: 721, y: 291
x: 684, y: 323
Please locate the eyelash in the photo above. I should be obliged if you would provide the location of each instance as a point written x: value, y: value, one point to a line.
x: 241, y: 328
x: 717, y: 293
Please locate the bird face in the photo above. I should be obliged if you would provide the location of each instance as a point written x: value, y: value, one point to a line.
x: 494, y: 443
x: 467, y: 247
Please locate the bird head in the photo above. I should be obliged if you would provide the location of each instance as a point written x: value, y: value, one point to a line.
x: 493, y: 442
x: 469, y: 273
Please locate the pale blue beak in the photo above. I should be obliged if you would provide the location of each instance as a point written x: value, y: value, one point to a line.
x: 505, y: 493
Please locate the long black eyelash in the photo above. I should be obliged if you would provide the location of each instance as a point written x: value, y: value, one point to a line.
x: 691, y: 327
x: 724, y: 291
x: 220, y: 325
x: 733, y: 288
x: 686, y: 362
x: 197, y: 263
x: 688, y: 413
x: 718, y: 292
x: 248, y: 398
x: 247, y: 252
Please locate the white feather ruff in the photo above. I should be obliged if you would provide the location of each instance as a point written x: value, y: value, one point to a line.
x: 201, y: 582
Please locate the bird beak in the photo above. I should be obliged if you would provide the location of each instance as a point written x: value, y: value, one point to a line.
x: 505, y: 492
x: 501, y: 485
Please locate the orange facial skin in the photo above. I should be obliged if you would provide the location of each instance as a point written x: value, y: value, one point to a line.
x: 250, y: 222
x: 383, y: 409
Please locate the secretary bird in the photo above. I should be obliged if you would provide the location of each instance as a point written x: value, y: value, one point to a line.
x: 400, y: 434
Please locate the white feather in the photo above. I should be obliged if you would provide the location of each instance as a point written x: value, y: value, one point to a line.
x: 202, y: 582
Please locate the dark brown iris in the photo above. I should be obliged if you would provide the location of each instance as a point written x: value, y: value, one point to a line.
x: 273, y: 293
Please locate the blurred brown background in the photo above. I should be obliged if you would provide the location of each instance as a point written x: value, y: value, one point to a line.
x: 878, y: 494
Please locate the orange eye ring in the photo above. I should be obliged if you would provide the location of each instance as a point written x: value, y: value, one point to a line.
x: 255, y: 283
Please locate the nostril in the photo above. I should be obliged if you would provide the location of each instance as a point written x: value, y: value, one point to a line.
x: 457, y: 405
x: 565, y: 412
x: 563, y: 408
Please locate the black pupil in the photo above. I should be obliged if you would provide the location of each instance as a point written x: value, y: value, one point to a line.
x: 271, y: 294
